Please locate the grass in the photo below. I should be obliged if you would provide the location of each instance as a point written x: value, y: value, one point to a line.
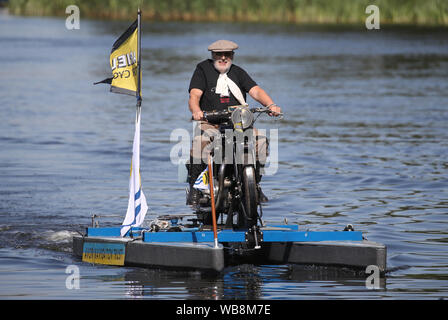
x: 417, y: 12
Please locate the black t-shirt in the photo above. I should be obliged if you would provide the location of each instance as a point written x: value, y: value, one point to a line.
x: 205, y: 77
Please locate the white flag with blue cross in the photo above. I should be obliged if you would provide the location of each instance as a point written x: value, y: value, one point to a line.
x: 202, y: 182
x: 137, y: 206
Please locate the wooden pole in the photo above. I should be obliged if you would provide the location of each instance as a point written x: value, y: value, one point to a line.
x: 212, y: 194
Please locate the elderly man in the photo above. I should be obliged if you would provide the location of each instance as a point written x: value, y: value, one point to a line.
x: 215, y: 85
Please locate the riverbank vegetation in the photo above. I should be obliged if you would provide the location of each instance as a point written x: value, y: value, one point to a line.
x: 415, y: 12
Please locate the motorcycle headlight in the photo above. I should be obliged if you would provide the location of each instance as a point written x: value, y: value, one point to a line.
x: 242, y: 118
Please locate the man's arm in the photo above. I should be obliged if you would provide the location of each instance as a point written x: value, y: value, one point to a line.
x: 262, y: 97
x: 193, y: 103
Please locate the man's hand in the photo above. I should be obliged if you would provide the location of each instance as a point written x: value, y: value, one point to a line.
x: 275, y: 110
x: 198, y: 115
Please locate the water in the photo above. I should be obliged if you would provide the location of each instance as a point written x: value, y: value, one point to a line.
x: 364, y: 141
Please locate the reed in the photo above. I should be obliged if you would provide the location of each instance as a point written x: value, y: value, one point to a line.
x: 417, y: 12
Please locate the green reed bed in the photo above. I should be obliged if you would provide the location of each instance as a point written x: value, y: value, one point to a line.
x: 418, y: 12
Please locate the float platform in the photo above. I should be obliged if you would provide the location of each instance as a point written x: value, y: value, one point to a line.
x: 194, y: 248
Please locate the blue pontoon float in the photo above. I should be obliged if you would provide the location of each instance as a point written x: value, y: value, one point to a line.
x: 183, y: 246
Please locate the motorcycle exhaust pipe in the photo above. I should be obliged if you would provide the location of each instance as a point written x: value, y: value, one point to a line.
x: 221, y: 173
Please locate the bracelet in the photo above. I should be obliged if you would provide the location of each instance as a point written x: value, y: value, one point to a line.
x: 272, y: 104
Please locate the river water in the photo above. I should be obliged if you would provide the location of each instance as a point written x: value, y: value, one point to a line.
x: 364, y: 141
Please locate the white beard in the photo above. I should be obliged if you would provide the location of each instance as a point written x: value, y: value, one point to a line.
x: 222, y: 69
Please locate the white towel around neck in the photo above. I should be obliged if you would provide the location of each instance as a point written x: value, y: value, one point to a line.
x: 223, y: 85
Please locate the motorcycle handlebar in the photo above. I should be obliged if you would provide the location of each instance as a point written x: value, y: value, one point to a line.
x: 216, y: 113
x: 216, y: 116
x: 225, y: 114
x: 265, y: 110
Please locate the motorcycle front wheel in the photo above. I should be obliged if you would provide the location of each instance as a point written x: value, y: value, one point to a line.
x: 250, y: 197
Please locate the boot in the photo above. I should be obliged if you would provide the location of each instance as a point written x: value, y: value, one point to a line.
x: 193, y: 196
x: 194, y: 172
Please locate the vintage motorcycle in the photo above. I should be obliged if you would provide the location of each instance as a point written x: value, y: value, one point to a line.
x: 234, y: 169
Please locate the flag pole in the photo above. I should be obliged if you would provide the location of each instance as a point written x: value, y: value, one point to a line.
x: 139, y: 98
x: 139, y: 61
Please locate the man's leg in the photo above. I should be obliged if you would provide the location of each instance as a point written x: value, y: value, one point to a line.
x: 262, y: 152
x: 201, y: 147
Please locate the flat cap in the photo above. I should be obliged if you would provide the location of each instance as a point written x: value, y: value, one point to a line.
x: 222, y: 46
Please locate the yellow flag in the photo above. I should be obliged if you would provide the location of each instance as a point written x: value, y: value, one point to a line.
x: 123, y: 62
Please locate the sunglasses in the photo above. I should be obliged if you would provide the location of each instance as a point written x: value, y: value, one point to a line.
x: 225, y: 54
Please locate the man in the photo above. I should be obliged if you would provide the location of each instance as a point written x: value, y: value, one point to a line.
x: 215, y: 85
